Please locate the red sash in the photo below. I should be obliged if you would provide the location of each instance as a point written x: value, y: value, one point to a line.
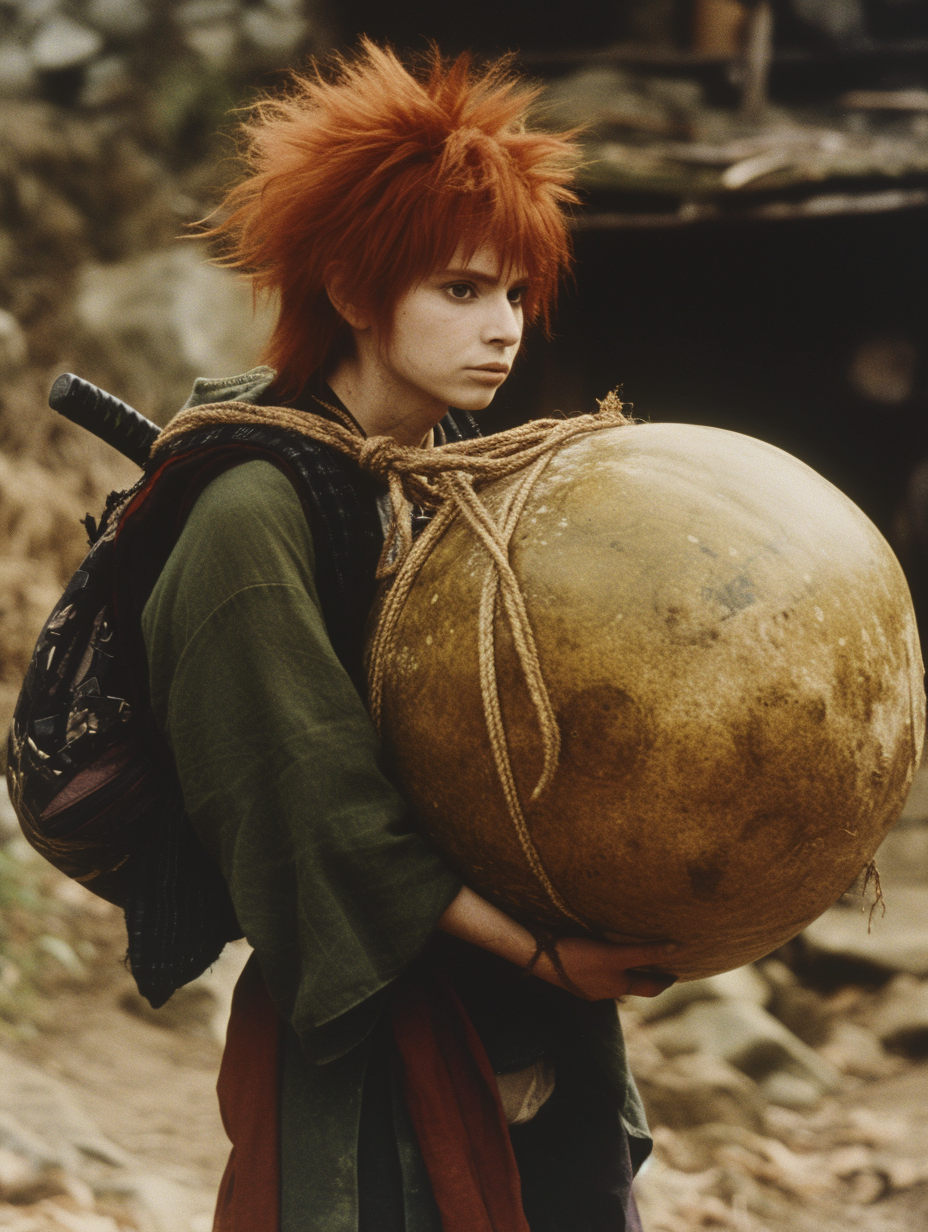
x: 450, y: 1091
x: 249, y: 1194
x: 454, y: 1104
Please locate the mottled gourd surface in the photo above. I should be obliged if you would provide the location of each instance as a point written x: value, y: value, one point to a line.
x: 731, y: 653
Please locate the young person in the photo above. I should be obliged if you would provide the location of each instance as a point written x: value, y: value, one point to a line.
x: 385, y: 1032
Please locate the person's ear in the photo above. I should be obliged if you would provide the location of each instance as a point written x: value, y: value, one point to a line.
x: 334, y: 279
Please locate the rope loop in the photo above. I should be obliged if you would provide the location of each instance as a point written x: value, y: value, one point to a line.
x: 447, y: 481
x: 378, y: 456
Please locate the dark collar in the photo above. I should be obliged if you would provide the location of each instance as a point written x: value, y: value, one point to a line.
x: 317, y: 397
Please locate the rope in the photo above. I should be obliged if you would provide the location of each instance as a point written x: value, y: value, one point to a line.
x: 444, y: 480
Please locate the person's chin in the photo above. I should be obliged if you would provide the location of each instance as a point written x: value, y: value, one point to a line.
x: 473, y: 398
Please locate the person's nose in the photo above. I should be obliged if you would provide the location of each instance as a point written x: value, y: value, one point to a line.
x: 503, y: 326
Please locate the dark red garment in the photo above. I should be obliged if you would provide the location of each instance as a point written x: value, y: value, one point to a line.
x: 249, y: 1195
x: 454, y: 1104
x: 450, y: 1091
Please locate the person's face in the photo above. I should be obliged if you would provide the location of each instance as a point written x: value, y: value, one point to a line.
x: 455, y: 335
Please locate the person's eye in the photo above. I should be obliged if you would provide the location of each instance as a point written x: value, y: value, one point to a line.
x: 460, y: 290
x: 516, y: 295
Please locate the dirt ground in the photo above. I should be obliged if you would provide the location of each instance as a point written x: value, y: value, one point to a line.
x: 145, y: 1081
x: 150, y: 1089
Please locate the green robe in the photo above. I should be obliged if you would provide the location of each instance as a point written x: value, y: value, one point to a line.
x: 333, y: 885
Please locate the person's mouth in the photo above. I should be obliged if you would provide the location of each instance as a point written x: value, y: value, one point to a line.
x: 502, y: 369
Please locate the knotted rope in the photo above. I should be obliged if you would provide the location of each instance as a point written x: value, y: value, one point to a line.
x: 445, y: 481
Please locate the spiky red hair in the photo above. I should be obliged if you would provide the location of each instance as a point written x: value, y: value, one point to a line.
x: 387, y: 172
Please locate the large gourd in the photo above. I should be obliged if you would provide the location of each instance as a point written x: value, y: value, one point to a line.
x: 731, y: 654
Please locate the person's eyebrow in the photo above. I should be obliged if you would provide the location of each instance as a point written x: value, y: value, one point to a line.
x: 475, y: 275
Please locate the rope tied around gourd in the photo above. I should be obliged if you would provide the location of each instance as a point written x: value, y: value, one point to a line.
x: 445, y: 482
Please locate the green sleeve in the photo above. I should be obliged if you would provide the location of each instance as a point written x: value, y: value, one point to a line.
x: 279, y: 762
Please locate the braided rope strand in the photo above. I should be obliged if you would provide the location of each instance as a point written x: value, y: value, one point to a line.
x: 495, y: 540
x: 385, y: 631
x: 492, y: 709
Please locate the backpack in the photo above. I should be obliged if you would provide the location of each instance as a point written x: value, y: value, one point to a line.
x: 93, y: 784
x: 91, y: 777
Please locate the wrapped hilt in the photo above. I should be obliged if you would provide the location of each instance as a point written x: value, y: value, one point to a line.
x: 109, y: 418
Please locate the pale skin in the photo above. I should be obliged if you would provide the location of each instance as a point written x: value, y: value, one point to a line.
x: 452, y: 341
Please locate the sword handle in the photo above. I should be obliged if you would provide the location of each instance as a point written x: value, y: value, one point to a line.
x: 107, y: 417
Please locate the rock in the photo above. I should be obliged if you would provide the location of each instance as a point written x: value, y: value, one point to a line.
x: 63, y: 43
x: 150, y: 325
x: 741, y: 984
x: 54, y: 218
x: 274, y: 33
x: 87, y: 1222
x: 166, y: 1206
x: 777, y: 975
x: 80, y: 1192
x: 803, y: 1012
x: 855, y: 1050
x: 190, y: 1009
x: 106, y: 81
x: 32, y: 13
x: 209, y: 28
x: 865, y: 1187
x: 899, y: 1017
x: 696, y: 1089
x: 17, y: 72
x: 895, y: 945
x: 29, y: 1170
x: 788, y: 1090
x: 748, y: 1038
x: 9, y: 822
x: 698, y: 1149
x: 10, y: 975
x: 15, y: 1173
x: 203, y: 13
x: 40, y: 1187
x: 120, y: 19
x: 916, y: 806
x: 13, y: 349
x: 800, y: 1009
x: 214, y: 43
x: 903, y: 857
x: 21, y: 1143
x: 63, y: 1150
x: 62, y: 952
x: 79, y: 897
x: 37, y: 1103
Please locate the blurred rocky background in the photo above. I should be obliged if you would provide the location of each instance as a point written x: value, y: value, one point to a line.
x: 751, y: 255
x: 794, y: 1093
